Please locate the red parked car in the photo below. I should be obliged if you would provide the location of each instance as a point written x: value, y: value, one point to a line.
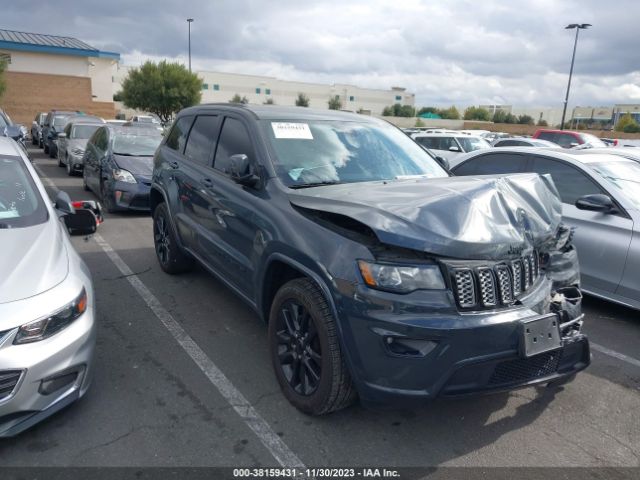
x: 568, y: 138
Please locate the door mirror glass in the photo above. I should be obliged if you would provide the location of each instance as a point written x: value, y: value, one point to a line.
x: 240, y: 170
x: 596, y: 203
x: 82, y: 222
x: 63, y: 203
x: 444, y: 163
x: 453, y: 148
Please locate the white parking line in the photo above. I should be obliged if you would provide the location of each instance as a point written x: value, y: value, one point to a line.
x: 280, y: 451
x: 614, y: 354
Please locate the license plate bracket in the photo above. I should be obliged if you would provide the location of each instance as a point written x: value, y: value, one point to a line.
x: 540, y: 334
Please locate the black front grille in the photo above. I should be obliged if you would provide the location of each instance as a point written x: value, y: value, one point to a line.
x: 524, y: 369
x: 8, y: 381
x: 496, y: 284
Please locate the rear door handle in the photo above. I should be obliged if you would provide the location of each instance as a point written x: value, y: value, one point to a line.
x: 174, y: 164
x: 208, y: 183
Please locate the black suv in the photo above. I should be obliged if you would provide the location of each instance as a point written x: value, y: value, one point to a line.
x: 379, y: 275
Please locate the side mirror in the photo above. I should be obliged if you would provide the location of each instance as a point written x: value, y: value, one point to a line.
x: 62, y: 135
x: 63, y: 203
x: 240, y: 170
x: 596, y: 203
x: 82, y: 222
x: 573, y: 144
x: 454, y: 149
x: 444, y: 163
x: 13, y: 131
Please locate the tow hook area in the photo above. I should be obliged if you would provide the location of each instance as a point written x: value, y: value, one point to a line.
x: 567, y: 303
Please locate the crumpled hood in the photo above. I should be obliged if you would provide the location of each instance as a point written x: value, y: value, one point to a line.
x: 33, y: 260
x: 487, y: 217
x: 142, y: 166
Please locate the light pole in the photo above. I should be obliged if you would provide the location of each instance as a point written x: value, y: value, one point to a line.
x: 189, y: 20
x: 578, y: 27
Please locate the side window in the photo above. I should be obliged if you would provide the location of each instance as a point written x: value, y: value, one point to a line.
x: 565, y: 140
x: 101, y: 140
x: 429, y: 142
x: 178, y: 135
x: 549, y: 136
x: 570, y: 182
x: 202, y: 139
x: 493, y: 164
x: 234, y: 139
x: 511, y: 143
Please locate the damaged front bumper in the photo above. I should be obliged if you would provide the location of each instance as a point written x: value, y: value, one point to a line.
x: 418, y: 348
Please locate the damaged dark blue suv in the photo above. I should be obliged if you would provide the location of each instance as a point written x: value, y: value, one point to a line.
x: 380, y: 276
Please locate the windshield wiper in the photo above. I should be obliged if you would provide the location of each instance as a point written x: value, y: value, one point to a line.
x: 316, y: 184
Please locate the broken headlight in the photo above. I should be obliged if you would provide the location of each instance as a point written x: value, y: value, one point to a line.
x: 48, y: 326
x: 401, y: 278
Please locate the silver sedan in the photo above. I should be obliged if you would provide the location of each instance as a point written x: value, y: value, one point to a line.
x: 600, y: 193
x: 47, y: 305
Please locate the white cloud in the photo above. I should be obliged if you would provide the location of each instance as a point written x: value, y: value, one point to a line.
x: 454, y: 52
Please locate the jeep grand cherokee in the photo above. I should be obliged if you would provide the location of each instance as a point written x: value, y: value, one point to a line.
x: 379, y: 275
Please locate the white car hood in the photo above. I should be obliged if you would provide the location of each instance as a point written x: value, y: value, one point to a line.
x: 33, y: 260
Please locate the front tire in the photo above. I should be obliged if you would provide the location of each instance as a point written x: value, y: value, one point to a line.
x: 305, y: 350
x: 69, y: 169
x: 60, y: 164
x: 170, y: 257
x: 46, y: 148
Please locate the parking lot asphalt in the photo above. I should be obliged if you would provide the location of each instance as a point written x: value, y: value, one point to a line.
x: 158, y: 401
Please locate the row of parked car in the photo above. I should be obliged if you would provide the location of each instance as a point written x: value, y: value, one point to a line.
x: 114, y: 157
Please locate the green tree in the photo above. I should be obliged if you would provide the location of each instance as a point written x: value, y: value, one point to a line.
x: 477, y: 113
x: 499, y: 116
x: 510, y: 118
x: 3, y: 85
x: 542, y: 123
x: 335, y: 103
x: 387, y: 111
x: 632, y: 128
x: 238, y: 99
x: 302, y: 100
x: 269, y: 101
x: 162, y: 88
x: 525, y: 120
x: 625, y: 120
x: 419, y: 122
x: 427, y: 110
x: 450, y: 113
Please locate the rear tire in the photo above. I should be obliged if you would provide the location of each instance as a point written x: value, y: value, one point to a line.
x: 85, y: 187
x: 34, y: 140
x: 170, y: 257
x: 46, y: 148
x: 305, y: 350
x: 51, y: 154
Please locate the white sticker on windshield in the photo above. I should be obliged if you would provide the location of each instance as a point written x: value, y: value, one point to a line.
x: 291, y: 130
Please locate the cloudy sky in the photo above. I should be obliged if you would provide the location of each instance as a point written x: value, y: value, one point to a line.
x: 459, y: 52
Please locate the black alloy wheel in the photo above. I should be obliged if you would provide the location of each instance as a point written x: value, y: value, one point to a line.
x: 305, y: 349
x: 299, y: 349
x: 170, y: 257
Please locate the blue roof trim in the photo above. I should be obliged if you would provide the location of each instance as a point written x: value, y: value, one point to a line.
x: 25, y: 47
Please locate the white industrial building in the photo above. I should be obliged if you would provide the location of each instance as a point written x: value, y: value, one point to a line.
x: 221, y: 87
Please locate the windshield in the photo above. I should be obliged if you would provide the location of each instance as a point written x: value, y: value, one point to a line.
x: 83, y: 131
x: 20, y: 202
x: 316, y: 151
x: 59, y: 122
x: 623, y: 176
x: 592, y: 140
x: 136, y: 145
x: 471, y: 144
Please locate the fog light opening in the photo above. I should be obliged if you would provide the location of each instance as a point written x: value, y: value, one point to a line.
x: 409, y: 347
x: 59, y: 381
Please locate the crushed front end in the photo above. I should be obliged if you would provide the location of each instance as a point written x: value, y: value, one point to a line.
x: 507, y: 313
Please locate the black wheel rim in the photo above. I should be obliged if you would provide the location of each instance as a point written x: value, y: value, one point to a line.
x: 299, y: 352
x: 162, y: 240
